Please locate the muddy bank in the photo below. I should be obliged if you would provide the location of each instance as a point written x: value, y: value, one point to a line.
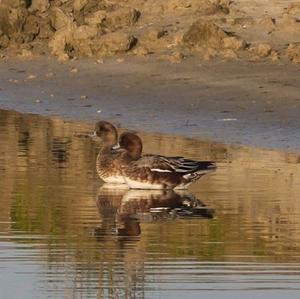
x: 170, y: 30
x: 254, y: 104
x: 226, y: 70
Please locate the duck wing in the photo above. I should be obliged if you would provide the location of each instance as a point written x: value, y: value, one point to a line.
x: 178, y: 165
x: 153, y: 163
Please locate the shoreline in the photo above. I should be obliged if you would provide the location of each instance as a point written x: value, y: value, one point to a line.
x: 236, y: 102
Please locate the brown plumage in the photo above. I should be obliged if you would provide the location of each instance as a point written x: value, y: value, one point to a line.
x: 112, y: 156
x: 123, y: 163
x: 160, y: 172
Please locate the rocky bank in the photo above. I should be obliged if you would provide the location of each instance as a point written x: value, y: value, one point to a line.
x: 170, y: 29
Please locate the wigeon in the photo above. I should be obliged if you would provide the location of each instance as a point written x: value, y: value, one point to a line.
x: 112, y: 156
x: 156, y: 171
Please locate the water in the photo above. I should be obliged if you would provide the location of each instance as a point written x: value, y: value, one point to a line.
x: 65, y: 235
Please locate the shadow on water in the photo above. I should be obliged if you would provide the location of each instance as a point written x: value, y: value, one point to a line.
x: 65, y: 235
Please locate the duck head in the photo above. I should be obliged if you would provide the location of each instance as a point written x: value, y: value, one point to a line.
x: 132, y: 143
x: 106, y: 132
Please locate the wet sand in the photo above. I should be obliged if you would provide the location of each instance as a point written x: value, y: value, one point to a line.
x: 233, y: 102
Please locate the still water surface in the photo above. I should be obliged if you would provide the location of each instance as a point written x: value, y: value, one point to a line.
x: 63, y: 234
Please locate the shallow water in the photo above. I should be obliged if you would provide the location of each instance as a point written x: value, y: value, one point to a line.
x: 65, y: 235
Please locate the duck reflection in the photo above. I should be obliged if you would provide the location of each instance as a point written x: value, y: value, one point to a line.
x: 122, y: 211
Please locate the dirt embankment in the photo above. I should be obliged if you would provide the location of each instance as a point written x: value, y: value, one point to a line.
x: 171, y: 29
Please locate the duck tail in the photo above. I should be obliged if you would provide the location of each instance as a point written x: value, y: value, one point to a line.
x: 207, y: 165
x: 203, y: 167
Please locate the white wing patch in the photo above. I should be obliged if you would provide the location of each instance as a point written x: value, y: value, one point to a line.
x: 160, y: 170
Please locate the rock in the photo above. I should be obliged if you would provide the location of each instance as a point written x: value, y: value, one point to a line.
x: 72, y: 41
x: 293, y: 8
x: 290, y: 23
x: 141, y: 51
x: 25, y: 54
x: 39, y: 5
x: 204, y: 34
x: 234, y: 43
x: 96, y: 18
x: 203, y: 7
x: 244, y: 22
x: 79, y: 4
x: 208, y: 7
x: 113, y: 43
x: 254, y: 58
x: 229, y: 54
x: 178, y: 38
x: 263, y: 50
x: 45, y: 29
x: 156, y: 33
x: 122, y: 17
x: 83, y: 39
x: 78, y: 28
x: 209, y: 54
x: 31, y: 77
x: 13, y: 81
x: 154, y: 39
x: 31, y: 28
x: 12, y: 17
x: 176, y: 4
x: 59, y: 20
x: 49, y: 75
x: 267, y: 21
x: 25, y: 46
x: 4, y: 40
x: 274, y: 55
x: 85, y: 32
x: 176, y: 57
x: 60, y: 41
x: 293, y: 52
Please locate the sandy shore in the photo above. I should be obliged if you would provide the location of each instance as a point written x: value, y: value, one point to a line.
x: 233, y: 102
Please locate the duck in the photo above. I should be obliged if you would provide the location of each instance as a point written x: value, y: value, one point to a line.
x: 157, y: 171
x: 113, y: 155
